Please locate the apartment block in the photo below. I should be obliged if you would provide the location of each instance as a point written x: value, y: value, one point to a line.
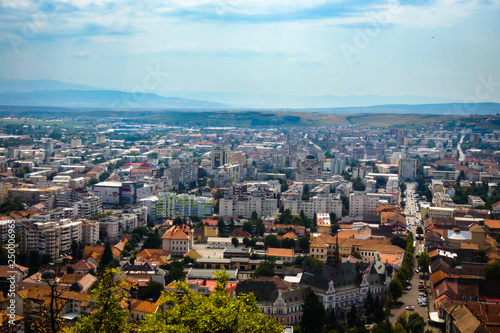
x: 53, y: 238
x: 170, y: 204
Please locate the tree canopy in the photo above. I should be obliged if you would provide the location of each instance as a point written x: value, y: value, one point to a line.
x: 189, y: 311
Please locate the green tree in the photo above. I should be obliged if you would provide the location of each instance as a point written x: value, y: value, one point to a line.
x: 76, y: 251
x: 235, y: 242
x: 314, y: 316
x: 271, y: 241
x: 188, y: 311
x: 175, y: 272
x: 221, y: 226
x: 264, y: 269
x: 398, y: 241
x: 395, y: 289
x: 304, y: 243
x: 107, y: 298
x: 424, y: 261
x: 107, y: 256
x: 246, y: 241
x: 260, y: 228
x: 153, y: 290
x: 492, y: 272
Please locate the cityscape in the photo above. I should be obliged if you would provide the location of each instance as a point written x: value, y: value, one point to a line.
x: 332, y: 228
x: 276, y: 166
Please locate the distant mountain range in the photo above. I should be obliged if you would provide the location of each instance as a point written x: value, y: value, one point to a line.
x: 51, y: 93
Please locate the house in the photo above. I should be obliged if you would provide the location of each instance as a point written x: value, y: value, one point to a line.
x: 193, y: 254
x: 159, y: 255
x: 178, y: 240
x: 140, y: 309
x: 83, y: 266
x: 238, y: 233
x: 323, y: 246
x: 287, y: 255
x: 201, y: 234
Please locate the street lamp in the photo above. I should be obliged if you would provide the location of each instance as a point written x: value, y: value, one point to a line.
x: 50, y: 277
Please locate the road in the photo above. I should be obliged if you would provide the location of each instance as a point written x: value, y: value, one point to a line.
x: 410, y: 297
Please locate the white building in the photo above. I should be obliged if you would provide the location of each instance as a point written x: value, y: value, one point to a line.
x: 360, y: 204
x: 407, y: 169
x: 321, y: 203
x: 53, y: 238
x: 170, y: 204
x: 90, y: 232
x: 261, y: 205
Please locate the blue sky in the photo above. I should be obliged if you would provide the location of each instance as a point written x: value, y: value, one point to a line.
x: 444, y: 48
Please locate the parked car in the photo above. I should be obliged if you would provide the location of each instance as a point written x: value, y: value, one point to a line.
x: 423, y: 304
x: 410, y: 308
x: 407, y: 287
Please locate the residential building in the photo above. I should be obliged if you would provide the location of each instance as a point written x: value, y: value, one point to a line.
x: 407, y: 168
x: 53, y: 238
x: 169, y: 204
x: 178, y: 240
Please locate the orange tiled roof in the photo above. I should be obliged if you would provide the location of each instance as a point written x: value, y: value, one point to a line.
x: 275, y: 252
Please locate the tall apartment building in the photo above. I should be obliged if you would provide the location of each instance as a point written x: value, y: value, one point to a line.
x: 321, y: 203
x: 53, y: 238
x: 112, y: 226
x: 218, y: 156
x: 234, y: 207
x: 90, y: 232
x: 361, y: 204
x: 90, y: 205
x: 338, y: 165
x: 407, y: 168
x: 182, y: 172
x: 170, y: 204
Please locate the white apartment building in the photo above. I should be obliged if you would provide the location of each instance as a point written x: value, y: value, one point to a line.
x: 234, y: 207
x: 361, y: 204
x: 53, y: 238
x: 407, y: 169
x: 90, y: 205
x: 90, y: 232
x: 321, y: 203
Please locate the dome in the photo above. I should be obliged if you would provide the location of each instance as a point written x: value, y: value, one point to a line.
x: 310, y: 157
x: 48, y: 275
x: 77, y: 286
x: 207, y: 189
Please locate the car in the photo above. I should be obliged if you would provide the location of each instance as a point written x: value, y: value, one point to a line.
x: 407, y: 287
x: 417, y: 271
x: 410, y: 308
x: 423, y: 304
x: 421, y: 295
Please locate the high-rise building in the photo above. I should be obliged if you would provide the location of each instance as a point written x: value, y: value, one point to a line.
x: 338, y: 164
x: 361, y: 204
x: 53, y: 238
x: 407, y: 169
x: 219, y: 157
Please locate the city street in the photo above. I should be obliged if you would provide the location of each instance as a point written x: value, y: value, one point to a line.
x: 410, y: 297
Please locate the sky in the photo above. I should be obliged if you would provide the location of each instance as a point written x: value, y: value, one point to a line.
x: 440, y: 48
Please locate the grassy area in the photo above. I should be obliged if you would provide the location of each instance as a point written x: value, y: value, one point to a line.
x: 43, y: 122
